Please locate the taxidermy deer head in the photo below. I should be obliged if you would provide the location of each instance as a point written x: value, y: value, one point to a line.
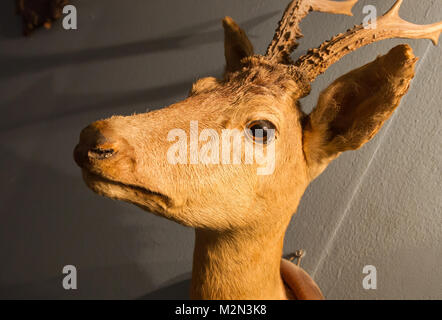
x: 240, y: 214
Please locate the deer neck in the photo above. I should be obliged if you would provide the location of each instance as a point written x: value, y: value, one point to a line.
x: 237, y: 265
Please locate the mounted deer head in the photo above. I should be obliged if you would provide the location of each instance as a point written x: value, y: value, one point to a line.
x: 240, y: 216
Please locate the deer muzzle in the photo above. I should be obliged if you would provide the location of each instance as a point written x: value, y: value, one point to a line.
x: 95, y: 146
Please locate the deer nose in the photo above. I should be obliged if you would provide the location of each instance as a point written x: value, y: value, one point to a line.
x: 93, y: 145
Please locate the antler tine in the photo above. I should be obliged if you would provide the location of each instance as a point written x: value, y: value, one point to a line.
x: 288, y: 31
x: 390, y: 25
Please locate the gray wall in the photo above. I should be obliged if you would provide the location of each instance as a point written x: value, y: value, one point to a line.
x: 379, y: 206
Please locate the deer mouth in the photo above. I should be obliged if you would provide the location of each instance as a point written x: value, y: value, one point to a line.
x: 153, y: 201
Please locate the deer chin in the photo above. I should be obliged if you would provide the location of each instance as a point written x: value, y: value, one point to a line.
x: 152, y: 201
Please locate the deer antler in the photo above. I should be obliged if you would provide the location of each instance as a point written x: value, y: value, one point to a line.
x: 284, y: 41
x: 390, y: 25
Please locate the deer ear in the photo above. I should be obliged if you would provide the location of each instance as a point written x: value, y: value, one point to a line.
x: 355, y: 106
x: 236, y: 45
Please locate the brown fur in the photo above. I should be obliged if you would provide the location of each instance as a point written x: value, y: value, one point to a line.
x: 241, y: 217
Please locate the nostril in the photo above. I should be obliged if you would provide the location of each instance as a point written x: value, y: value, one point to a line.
x: 100, y: 153
x: 97, y: 143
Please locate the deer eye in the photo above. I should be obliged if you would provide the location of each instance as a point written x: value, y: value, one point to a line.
x: 261, y: 131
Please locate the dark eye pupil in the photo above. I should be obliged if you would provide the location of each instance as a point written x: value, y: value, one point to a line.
x: 261, y: 131
x: 258, y: 131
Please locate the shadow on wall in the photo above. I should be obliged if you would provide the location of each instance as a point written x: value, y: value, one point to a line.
x: 16, y: 116
x: 53, y: 224
x: 21, y: 111
x: 94, y: 283
x: 186, y: 38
